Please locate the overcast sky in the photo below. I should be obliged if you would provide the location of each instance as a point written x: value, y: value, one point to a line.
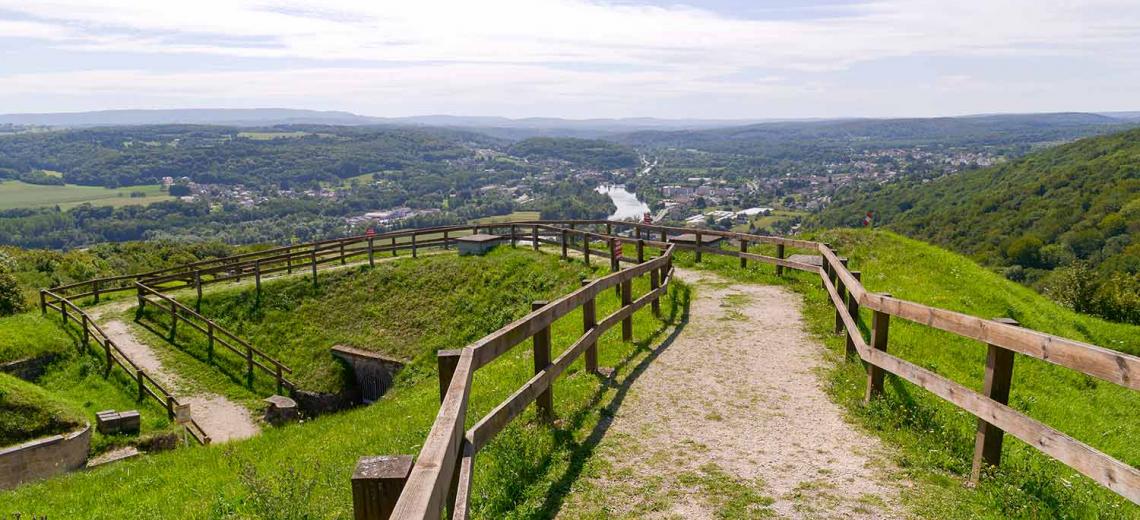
x: 574, y: 58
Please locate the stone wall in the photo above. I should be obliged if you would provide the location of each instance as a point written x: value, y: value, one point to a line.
x: 42, y: 458
x: 28, y: 369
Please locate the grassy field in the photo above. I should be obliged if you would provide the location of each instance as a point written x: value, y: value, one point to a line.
x: 518, y: 216
x: 16, y: 194
x: 28, y: 335
x: 766, y: 221
x: 266, y: 136
x: 28, y: 412
x: 934, y: 440
x: 302, y: 471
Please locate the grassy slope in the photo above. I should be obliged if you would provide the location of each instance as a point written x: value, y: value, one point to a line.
x: 524, y: 473
x: 934, y: 439
x: 16, y: 194
x: 28, y: 412
x: 28, y: 335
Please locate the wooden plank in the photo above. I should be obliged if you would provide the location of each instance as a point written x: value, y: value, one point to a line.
x: 996, y: 386
x: 427, y: 485
x: 541, y: 339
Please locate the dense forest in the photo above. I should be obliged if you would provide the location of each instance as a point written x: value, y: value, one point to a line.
x: 589, y: 153
x: 1065, y: 220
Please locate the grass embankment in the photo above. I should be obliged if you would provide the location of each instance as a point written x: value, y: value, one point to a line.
x: 75, y: 378
x: 28, y: 412
x: 304, y: 469
x: 935, y: 439
x: 16, y: 194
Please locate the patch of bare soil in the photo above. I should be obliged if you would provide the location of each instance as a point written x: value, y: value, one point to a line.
x: 734, y: 407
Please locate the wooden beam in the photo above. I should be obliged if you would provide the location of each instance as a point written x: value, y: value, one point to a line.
x: 376, y: 485
x: 545, y: 400
x: 996, y: 386
x: 589, y: 322
x: 880, y: 325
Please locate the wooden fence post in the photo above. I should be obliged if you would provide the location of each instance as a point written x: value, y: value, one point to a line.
x: 43, y: 302
x: 257, y: 278
x: 415, y: 253
x: 447, y: 360
x: 698, y: 235
x: 249, y: 362
x: 743, y: 249
x: 446, y: 245
x: 589, y: 321
x: 142, y: 386
x: 63, y: 310
x: 615, y: 264
x: 514, y: 238
x: 173, y: 319
x: 170, y: 408
x: 780, y: 255
x: 371, y: 253
x: 586, y: 248
x: 564, y: 245
x: 609, y: 228
x: 534, y: 236
x: 637, y: 231
x: 626, y: 300
x: 110, y: 362
x: 289, y: 260
x: 95, y: 287
x: 209, y: 341
x: 198, y: 288
x: 999, y: 376
x: 880, y: 324
x: 344, y: 260
x: 654, y: 283
x: 314, y: 255
x: 376, y: 485
x: 841, y: 291
x: 640, y: 251
x: 545, y: 400
x: 853, y: 311
x: 394, y: 246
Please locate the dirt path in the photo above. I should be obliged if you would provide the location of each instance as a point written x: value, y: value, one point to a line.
x: 730, y: 421
x: 222, y: 419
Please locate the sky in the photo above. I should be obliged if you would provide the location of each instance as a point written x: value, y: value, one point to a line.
x: 714, y: 59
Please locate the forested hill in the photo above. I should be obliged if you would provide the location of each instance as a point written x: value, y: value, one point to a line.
x: 282, y: 156
x: 587, y: 152
x: 1065, y: 220
x: 792, y: 139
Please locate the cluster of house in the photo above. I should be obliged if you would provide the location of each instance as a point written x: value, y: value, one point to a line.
x: 727, y: 217
x: 388, y: 216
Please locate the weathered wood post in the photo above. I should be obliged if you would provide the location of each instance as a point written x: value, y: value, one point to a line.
x: 314, y: 265
x: 586, y: 248
x: 376, y: 485
x: 699, y: 242
x: 853, y: 311
x: 589, y: 322
x: 86, y: 333
x: 63, y: 310
x: 257, y: 278
x: 564, y: 245
x: 394, y: 247
x: 446, y: 244
x: 142, y: 386
x: 743, y: 249
x: 371, y: 253
x: 95, y: 286
x: 626, y: 300
x: 841, y: 291
x: 654, y: 283
x: 249, y: 363
x: 780, y: 255
x: 110, y: 361
x: 415, y: 253
x: 534, y: 236
x: 447, y: 361
x: 609, y: 228
x: 640, y: 251
x: 43, y: 302
x: 198, y: 288
x: 343, y: 259
x: 289, y: 260
x: 637, y: 231
x: 615, y: 263
x: 545, y: 400
x: 170, y: 408
x: 173, y: 319
x: 209, y: 340
x: 880, y: 324
x: 999, y: 376
x: 514, y: 237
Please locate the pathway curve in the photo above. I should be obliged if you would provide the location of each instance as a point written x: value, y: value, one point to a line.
x: 731, y: 421
x: 222, y: 419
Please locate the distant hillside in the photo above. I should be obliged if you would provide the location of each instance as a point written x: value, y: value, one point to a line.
x: 206, y: 116
x: 792, y: 139
x: 1066, y: 220
x: 587, y: 152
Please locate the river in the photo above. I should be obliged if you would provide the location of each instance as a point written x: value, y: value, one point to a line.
x: 628, y: 206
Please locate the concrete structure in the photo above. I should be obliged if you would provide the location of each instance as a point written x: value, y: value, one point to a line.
x: 477, y: 244
x: 43, y: 458
x: 110, y: 421
x: 374, y: 373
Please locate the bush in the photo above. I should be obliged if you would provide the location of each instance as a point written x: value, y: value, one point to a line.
x: 1015, y: 273
x: 1025, y: 251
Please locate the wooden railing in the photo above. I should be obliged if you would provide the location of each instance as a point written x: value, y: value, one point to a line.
x: 449, y: 451
x: 91, y: 332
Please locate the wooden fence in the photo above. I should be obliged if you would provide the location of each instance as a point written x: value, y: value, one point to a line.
x: 91, y: 332
x: 445, y: 462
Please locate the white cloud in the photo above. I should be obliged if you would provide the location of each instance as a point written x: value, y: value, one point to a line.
x: 534, y: 47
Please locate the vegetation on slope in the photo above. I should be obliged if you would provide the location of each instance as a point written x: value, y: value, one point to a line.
x: 302, y: 471
x: 1065, y: 220
x: 935, y: 439
x: 591, y: 153
x: 29, y: 412
x: 28, y: 336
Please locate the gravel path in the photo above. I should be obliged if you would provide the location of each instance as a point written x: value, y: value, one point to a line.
x: 734, y: 407
x: 223, y: 420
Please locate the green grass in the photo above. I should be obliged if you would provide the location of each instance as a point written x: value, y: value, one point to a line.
x: 524, y: 473
x: 933, y: 439
x: 518, y: 216
x: 29, y: 335
x: 29, y: 412
x: 16, y: 194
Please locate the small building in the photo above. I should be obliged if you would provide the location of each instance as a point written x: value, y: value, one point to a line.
x: 690, y: 239
x: 478, y: 244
